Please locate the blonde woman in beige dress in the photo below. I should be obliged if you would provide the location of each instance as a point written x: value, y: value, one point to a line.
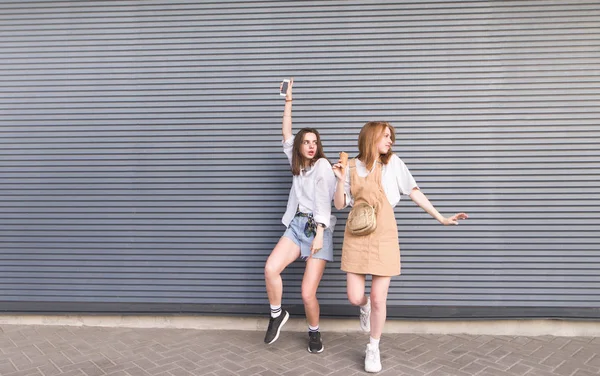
x: 376, y: 176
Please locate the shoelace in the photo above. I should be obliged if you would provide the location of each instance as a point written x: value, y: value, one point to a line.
x: 364, y: 315
x: 371, y: 354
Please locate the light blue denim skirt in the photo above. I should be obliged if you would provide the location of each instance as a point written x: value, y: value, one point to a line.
x: 296, y: 232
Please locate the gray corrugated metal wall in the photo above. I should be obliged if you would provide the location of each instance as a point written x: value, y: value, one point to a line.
x: 141, y: 167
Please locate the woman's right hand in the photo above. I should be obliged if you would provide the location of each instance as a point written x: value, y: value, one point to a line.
x: 339, y: 171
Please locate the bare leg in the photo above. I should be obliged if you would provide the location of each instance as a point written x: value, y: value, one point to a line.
x: 312, y: 277
x: 356, y: 289
x: 379, y: 292
x: 284, y: 253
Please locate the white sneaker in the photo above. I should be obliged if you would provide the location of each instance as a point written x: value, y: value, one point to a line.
x: 372, y: 360
x: 365, y: 317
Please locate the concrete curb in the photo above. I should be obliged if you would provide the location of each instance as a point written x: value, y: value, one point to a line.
x: 488, y: 327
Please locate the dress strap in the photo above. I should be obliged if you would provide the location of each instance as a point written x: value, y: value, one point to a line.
x: 352, y: 171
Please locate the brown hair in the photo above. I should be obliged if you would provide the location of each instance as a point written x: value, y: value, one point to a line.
x: 369, y: 136
x: 297, y: 159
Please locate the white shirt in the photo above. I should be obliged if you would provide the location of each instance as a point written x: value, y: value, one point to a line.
x: 395, y: 178
x: 312, y: 191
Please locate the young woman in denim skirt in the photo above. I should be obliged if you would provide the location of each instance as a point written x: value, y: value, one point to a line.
x: 379, y: 178
x: 309, y: 227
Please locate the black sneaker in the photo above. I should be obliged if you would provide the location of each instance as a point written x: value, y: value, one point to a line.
x: 275, y: 325
x: 315, y: 345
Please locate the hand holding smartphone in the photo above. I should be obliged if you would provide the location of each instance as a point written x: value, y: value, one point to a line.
x: 284, y: 87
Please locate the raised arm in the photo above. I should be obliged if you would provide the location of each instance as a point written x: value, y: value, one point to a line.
x: 286, y: 124
x: 420, y: 199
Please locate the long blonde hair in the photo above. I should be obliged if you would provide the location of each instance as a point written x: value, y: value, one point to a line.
x: 369, y: 136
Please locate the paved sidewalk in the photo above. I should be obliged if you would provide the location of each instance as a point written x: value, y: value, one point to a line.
x: 91, y: 351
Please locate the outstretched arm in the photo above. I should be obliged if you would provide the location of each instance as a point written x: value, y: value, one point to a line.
x: 286, y: 124
x: 420, y: 199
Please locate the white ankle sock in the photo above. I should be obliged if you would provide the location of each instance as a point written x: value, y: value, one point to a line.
x: 367, y: 306
x: 275, y: 310
x: 374, y: 342
x: 313, y: 328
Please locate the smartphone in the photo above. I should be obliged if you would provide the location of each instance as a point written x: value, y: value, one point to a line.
x: 284, y: 87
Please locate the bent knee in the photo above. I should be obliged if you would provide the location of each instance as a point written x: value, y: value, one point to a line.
x: 355, y: 299
x: 271, y: 270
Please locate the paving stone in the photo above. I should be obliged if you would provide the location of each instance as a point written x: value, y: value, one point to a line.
x: 85, y: 351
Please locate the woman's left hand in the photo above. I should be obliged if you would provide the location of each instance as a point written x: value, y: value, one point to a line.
x: 317, y: 243
x: 454, y: 219
x: 288, y: 93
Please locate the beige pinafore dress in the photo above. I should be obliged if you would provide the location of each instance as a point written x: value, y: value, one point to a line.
x: 379, y: 252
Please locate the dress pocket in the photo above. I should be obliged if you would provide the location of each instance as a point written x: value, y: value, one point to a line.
x: 356, y: 250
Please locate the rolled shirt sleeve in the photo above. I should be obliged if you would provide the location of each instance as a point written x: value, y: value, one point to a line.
x: 405, y: 180
x: 324, y: 190
x: 288, y: 146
